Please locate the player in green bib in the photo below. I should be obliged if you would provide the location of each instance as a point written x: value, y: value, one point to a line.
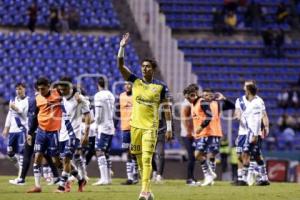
x: 148, y: 95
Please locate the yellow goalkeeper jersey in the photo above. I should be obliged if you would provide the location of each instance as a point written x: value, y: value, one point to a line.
x: 146, y: 98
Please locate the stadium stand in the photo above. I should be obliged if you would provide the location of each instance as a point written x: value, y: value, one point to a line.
x: 93, y: 14
x: 26, y: 56
x: 198, y: 15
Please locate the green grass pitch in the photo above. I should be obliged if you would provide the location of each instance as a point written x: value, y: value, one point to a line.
x: 170, y: 190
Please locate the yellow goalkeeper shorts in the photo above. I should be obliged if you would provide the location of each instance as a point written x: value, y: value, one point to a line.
x: 142, y: 140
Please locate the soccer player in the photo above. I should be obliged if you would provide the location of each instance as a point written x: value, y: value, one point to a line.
x: 148, y: 94
x: 29, y: 150
x: 48, y: 120
x: 125, y: 116
x: 249, y: 144
x: 104, y: 102
x: 186, y: 134
x: 208, y: 130
x: 74, y: 108
x: 16, y: 126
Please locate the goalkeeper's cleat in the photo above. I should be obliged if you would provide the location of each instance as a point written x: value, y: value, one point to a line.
x: 146, y: 196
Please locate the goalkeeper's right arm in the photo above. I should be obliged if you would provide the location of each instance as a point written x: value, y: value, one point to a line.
x: 123, y: 69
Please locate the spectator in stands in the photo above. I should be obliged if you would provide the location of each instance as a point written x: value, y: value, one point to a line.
x: 279, y: 39
x: 74, y: 18
x: 297, y: 118
x: 218, y: 21
x: 268, y: 38
x: 283, y: 98
x: 274, y: 41
x: 64, y: 20
x: 295, y: 98
x: 281, y: 13
x: 297, y: 8
x: 231, y: 5
x: 230, y: 23
x: 286, y: 121
x: 287, y: 137
x: 32, y: 14
x: 254, y: 16
x: 54, y: 19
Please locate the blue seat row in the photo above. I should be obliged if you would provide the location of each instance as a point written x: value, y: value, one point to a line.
x: 92, y: 13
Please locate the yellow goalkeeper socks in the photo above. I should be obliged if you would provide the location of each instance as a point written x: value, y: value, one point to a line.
x: 147, y: 170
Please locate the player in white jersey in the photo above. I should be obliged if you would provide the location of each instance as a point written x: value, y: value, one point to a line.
x: 16, y: 126
x: 251, y: 111
x: 74, y: 107
x: 104, y: 111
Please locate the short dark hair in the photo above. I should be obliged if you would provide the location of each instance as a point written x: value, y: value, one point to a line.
x: 190, y: 88
x: 42, y: 81
x: 186, y: 91
x: 194, y: 87
x: 151, y: 61
x: 101, y: 82
x: 252, y: 89
x: 20, y: 84
x: 208, y: 90
x: 65, y: 81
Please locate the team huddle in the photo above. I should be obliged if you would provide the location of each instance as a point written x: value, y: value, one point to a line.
x: 60, y: 127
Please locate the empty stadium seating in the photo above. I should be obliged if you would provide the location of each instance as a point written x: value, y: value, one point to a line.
x: 26, y: 56
x: 198, y: 15
x: 92, y: 13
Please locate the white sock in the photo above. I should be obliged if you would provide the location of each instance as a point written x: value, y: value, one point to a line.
x: 240, y: 174
x: 102, y: 163
x: 263, y: 172
x: 45, y: 171
x: 20, y: 162
x: 14, y: 160
x: 37, y: 175
x: 109, y: 166
x: 129, y: 169
x: 50, y: 174
x: 135, y: 170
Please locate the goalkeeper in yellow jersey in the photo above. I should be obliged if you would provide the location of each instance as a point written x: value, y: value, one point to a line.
x: 148, y: 95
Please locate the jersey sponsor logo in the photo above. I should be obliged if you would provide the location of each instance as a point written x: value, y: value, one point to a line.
x: 143, y: 101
